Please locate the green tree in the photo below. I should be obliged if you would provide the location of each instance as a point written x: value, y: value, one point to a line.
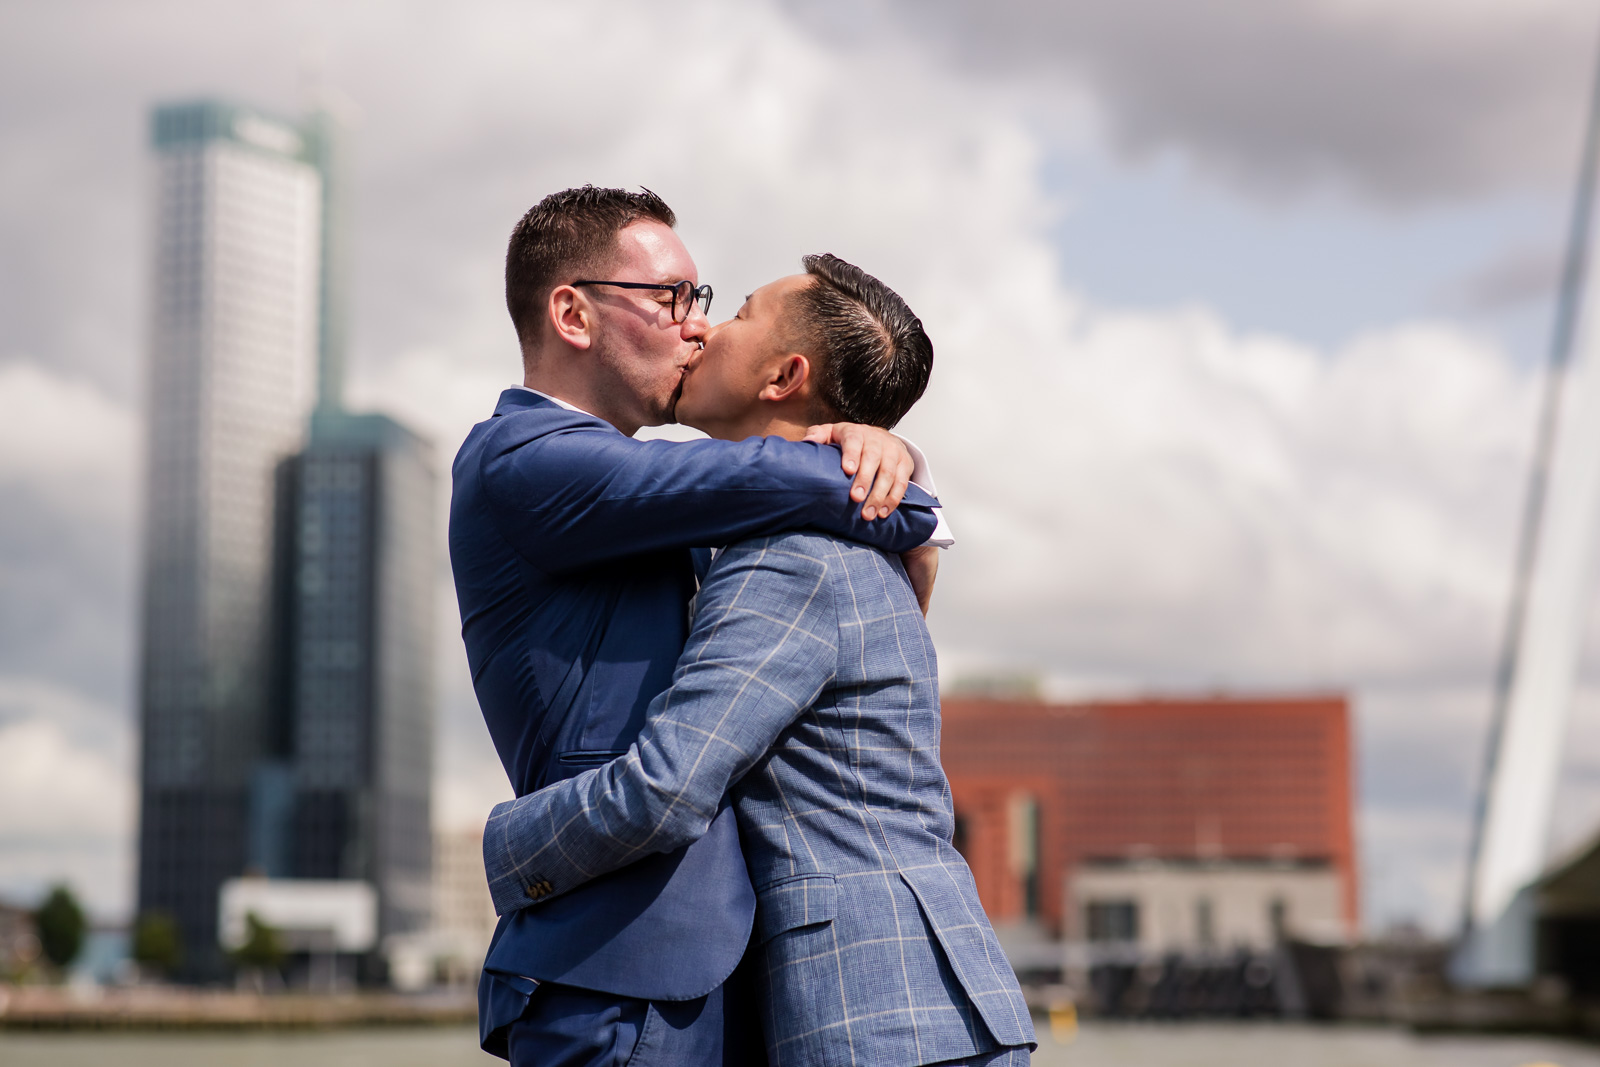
x: 262, y: 948
x: 156, y: 944
x: 61, y: 925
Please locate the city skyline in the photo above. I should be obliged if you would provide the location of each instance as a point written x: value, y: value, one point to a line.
x: 287, y: 696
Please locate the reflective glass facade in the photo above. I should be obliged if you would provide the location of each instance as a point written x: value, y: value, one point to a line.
x: 359, y: 667
x: 231, y: 352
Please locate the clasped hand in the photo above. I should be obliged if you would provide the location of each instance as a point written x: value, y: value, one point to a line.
x: 881, y: 462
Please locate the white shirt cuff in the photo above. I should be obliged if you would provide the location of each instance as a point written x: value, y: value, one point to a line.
x: 922, y: 478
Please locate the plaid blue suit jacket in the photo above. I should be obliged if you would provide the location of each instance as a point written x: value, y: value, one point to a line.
x: 809, y: 688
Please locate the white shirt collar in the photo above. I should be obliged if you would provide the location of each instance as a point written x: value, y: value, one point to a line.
x: 558, y: 401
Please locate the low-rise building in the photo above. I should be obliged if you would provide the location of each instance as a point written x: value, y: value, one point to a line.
x: 463, y: 913
x: 1156, y: 826
x: 1189, y: 906
x: 451, y: 950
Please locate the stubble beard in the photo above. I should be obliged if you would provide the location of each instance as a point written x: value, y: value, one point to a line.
x: 643, y: 389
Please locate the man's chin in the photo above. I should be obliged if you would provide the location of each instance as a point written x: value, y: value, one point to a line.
x: 684, y: 414
x: 686, y: 417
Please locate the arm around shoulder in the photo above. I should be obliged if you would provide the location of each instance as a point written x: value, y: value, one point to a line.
x: 764, y: 646
x: 586, y: 495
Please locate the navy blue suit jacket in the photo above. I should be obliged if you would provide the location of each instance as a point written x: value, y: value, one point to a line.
x: 571, y: 548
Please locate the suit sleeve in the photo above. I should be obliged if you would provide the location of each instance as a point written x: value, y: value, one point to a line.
x: 583, y: 496
x: 764, y: 646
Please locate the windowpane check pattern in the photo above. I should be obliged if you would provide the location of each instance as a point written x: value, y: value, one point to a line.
x: 809, y: 680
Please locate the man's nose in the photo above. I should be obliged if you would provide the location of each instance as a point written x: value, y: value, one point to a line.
x: 695, y: 324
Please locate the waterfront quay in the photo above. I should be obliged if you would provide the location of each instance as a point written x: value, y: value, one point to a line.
x: 1094, y: 1045
x: 88, y: 1008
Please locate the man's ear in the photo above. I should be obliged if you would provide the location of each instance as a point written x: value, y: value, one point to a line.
x: 787, y: 379
x: 572, y: 316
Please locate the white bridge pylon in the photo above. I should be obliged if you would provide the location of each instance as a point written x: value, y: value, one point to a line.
x: 1527, y: 768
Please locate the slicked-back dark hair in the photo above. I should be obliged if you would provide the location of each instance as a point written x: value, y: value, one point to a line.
x: 871, y: 356
x: 565, y: 236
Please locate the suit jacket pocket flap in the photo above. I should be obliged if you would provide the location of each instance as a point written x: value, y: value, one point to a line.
x: 804, y: 900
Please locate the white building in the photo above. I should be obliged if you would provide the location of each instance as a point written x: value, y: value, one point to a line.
x: 1152, y: 908
x: 461, y: 902
x: 310, y: 915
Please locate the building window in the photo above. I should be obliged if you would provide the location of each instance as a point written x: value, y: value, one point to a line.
x: 1205, y: 927
x: 1112, y: 920
x: 1023, y: 820
x: 1278, y: 918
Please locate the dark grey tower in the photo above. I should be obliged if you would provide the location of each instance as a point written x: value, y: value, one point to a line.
x: 361, y: 509
x: 348, y: 792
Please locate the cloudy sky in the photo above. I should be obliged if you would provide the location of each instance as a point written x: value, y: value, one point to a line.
x: 1239, y: 308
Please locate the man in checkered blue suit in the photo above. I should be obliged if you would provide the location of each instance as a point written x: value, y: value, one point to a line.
x: 808, y: 696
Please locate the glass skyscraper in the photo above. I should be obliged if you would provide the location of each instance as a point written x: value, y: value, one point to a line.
x: 232, y: 347
x: 285, y: 692
x: 360, y: 514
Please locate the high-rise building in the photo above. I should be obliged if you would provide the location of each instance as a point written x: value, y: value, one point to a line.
x: 232, y: 344
x: 287, y: 703
x: 360, y: 517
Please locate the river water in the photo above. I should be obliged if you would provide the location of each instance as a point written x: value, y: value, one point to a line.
x: 1096, y: 1045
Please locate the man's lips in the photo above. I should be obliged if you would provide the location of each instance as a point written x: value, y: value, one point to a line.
x: 684, y: 370
x: 677, y: 392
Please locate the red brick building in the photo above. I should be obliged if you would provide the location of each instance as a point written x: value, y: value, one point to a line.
x: 1041, y: 789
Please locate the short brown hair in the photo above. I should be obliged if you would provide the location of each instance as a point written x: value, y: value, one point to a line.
x: 872, y: 358
x: 564, y: 236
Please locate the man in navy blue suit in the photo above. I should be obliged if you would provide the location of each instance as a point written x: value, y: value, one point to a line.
x: 576, y: 550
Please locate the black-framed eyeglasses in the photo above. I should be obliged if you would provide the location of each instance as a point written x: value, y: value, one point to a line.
x: 684, y: 295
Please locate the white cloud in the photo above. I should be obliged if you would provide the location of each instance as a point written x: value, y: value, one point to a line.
x: 63, y: 438
x: 1276, y: 95
x: 81, y: 718
x: 53, y: 788
x: 69, y: 475
x: 1234, y: 507
x: 67, y: 796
